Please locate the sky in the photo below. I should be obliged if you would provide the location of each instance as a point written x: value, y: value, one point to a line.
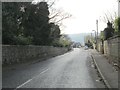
x: 85, y: 13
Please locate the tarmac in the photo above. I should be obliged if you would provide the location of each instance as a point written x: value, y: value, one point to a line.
x: 106, y: 70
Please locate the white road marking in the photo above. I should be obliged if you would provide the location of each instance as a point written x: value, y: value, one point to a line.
x: 41, y: 73
x: 24, y: 83
x: 30, y: 79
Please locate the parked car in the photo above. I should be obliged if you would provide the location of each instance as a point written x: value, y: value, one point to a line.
x: 86, y: 48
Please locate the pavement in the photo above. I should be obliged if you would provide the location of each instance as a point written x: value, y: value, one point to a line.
x: 106, y: 70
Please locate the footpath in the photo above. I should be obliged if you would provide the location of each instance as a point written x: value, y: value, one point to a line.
x: 106, y: 70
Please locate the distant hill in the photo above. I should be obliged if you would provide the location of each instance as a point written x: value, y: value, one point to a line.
x: 78, y: 37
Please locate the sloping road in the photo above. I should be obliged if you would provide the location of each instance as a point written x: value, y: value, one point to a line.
x: 71, y: 70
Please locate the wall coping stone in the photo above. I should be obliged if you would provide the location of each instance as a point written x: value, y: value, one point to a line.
x: 116, y: 36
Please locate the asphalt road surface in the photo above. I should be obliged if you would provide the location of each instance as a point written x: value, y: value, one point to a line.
x: 71, y: 70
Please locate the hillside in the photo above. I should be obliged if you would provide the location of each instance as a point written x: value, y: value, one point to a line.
x: 78, y: 37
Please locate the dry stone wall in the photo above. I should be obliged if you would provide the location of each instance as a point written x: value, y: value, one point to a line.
x: 18, y: 53
x: 112, y: 47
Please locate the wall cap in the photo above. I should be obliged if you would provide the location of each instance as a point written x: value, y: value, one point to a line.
x: 116, y: 36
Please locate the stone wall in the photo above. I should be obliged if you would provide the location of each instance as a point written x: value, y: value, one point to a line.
x: 100, y: 47
x: 18, y: 53
x: 112, y: 47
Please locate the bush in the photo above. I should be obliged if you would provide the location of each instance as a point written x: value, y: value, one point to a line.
x: 117, y: 25
x: 21, y: 40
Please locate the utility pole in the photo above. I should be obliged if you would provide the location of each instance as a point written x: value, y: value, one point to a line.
x: 118, y: 8
x: 94, y: 44
x: 91, y: 37
x: 97, y: 27
x: 97, y: 34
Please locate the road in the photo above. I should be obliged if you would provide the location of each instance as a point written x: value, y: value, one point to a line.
x: 71, y: 70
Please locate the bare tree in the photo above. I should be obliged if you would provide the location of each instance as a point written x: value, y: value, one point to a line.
x: 50, y: 2
x: 56, y: 15
x: 109, y: 17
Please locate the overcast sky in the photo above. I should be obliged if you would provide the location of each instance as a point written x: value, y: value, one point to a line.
x: 84, y: 14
